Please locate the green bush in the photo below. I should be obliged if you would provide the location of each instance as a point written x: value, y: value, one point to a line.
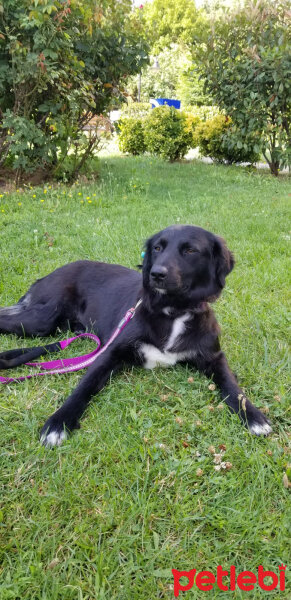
x: 238, y: 147
x: 59, y: 66
x: 196, y: 115
x: 204, y: 112
x: 166, y: 133
x: 218, y: 139
x: 29, y: 147
x: 131, y: 135
x: 246, y: 66
x: 191, y: 124
x: 136, y: 109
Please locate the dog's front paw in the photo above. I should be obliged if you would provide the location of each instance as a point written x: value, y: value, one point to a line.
x: 52, y: 436
x: 257, y: 423
x: 56, y: 429
x: 53, y: 432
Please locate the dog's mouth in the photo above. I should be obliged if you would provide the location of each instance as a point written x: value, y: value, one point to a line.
x: 169, y: 289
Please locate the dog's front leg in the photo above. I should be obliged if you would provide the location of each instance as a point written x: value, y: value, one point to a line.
x: 66, y: 418
x: 218, y: 369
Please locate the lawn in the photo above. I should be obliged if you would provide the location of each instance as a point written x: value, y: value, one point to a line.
x: 135, y: 493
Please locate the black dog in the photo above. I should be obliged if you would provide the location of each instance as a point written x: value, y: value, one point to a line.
x: 183, y: 270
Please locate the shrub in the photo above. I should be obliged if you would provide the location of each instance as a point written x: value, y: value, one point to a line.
x: 29, y: 147
x: 166, y: 134
x: 218, y: 139
x: 197, y: 114
x: 131, y: 135
x: 246, y: 66
x: 191, y: 125
x: 239, y: 148
x: 204, y: 112
x: 59, y: 64
x: 136, y: 109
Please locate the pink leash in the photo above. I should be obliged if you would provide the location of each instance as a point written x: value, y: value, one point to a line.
x: 68, y: 365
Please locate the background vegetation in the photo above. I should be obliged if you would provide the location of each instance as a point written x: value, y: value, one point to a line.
x: 246, y: 63
x: 169, y: 133
x: 61, y: 62
x: 64, y: 61
x: 237, y: 58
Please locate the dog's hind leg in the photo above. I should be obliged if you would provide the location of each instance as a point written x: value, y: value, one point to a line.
x: 28, y: 318
x: 20, y: 356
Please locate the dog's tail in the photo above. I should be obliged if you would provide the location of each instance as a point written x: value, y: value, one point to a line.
x: 15, y: 309
x: 10, y: 310
x: 20, y: 356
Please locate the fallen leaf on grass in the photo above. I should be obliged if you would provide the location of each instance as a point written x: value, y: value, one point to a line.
x: 224, y: 465
x: 286, y: 482
x: 53, y: 563
x: 217, y: 458
x: 49, y: 239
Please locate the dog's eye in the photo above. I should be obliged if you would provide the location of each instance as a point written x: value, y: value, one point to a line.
x: 157, y: 248
x: 190, y: 250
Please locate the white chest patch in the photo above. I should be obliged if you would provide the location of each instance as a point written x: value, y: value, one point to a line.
x: 177, y: 330
x: 163, y: 358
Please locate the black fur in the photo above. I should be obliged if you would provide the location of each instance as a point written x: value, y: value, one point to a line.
x: 183, y: 270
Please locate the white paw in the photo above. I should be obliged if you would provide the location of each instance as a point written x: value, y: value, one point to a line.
x: 54, y: 438
x: 260, y: 429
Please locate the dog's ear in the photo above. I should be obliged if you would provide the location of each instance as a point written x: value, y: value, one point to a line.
x: 147, y: 261
x: 224, y: 260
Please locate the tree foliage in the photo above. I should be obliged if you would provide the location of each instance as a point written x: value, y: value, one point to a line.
x: 247, y: 66
x: 60, y: 62
x: 171, y: 28
x: 171, y: 74
x: 169, y: 21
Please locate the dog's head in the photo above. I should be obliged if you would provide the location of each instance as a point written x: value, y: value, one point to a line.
x: 186, y: 264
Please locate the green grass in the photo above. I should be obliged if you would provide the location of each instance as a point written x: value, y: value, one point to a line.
x: 111, y: 512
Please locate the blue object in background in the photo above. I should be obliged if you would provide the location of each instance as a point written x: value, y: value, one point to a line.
x: 161, y: 101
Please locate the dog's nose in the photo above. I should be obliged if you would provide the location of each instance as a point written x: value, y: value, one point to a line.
x: 159, y: 273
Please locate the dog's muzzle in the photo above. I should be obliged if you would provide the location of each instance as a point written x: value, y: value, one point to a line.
x: 164, y: 280
x: 158, y: 275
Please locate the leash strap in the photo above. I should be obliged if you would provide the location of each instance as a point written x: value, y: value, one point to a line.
x: 68, y: 365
